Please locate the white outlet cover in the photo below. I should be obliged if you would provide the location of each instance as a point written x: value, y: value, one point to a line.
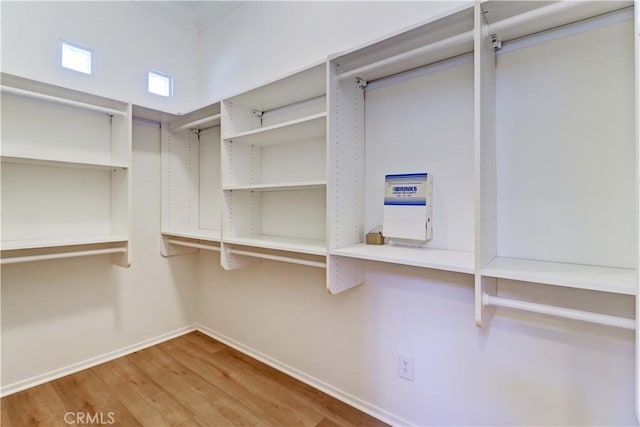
x: 405, y: 367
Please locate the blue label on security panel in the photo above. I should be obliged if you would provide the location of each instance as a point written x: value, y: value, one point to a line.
x: 406, y: 190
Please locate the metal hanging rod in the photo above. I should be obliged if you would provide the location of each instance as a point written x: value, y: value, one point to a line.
x: 420, y: 71
x: 63, y: 101
x: 535, y: 14
x: 196, y: 123
x: 567, y: 313
x: 290, y: 260
x: 551, y: 34
x: 420, y: 51
x: 43, y: 257
x: 194, y: 245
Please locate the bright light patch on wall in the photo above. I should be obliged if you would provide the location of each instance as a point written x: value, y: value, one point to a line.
x: 77, y: 58
x: 160, y: 83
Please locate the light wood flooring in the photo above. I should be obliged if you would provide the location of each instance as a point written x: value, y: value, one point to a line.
x: 191, y: 380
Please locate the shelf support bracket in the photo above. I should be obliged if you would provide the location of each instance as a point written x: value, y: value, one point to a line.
x: 195, y: 132
x: 484, y: 286
x: 168, y: 249
x: 361, y: 83
x: 258, y: 114
x: 343, y: 273
x: 496, y: 42
x: 231, y: 260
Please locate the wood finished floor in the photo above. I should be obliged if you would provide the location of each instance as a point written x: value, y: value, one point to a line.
x: 191, y: 380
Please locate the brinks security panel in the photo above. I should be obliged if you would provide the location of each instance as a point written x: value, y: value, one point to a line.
x: 407, y: 208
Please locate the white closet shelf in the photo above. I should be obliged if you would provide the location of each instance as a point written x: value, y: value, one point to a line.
x: 457, y: 45
x: 293, y: 88
x: 12, y: 245
x: 606, y: 279
x: 302, y: 185
x: 438, y: 259
x: 61, y: 163
x: 298, y: 130
x: 427, y: 43
x: 200, y: 234
x: 289, y: 244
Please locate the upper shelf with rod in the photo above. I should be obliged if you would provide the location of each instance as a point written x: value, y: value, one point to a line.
x: 76, y: 100
x: 513, y: 20
x: 289, y: 109
x: 69, y: 128
x: 439, y: 39
x: 203, y: 118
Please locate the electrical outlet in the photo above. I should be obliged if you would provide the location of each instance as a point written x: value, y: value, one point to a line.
x: 405, y: 367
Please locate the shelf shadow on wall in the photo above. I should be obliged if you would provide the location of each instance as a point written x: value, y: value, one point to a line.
x: 44, y: 291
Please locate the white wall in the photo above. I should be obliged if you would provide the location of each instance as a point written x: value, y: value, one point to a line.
x: 128, y: 42
x: 59, y: 313
x: 273, y: 38
x: 523, y: 369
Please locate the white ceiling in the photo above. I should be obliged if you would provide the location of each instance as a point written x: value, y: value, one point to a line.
x: 194, y: 15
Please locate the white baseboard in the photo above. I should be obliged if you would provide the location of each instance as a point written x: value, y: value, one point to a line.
x: 332, y: 391
x: 76, y: 367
